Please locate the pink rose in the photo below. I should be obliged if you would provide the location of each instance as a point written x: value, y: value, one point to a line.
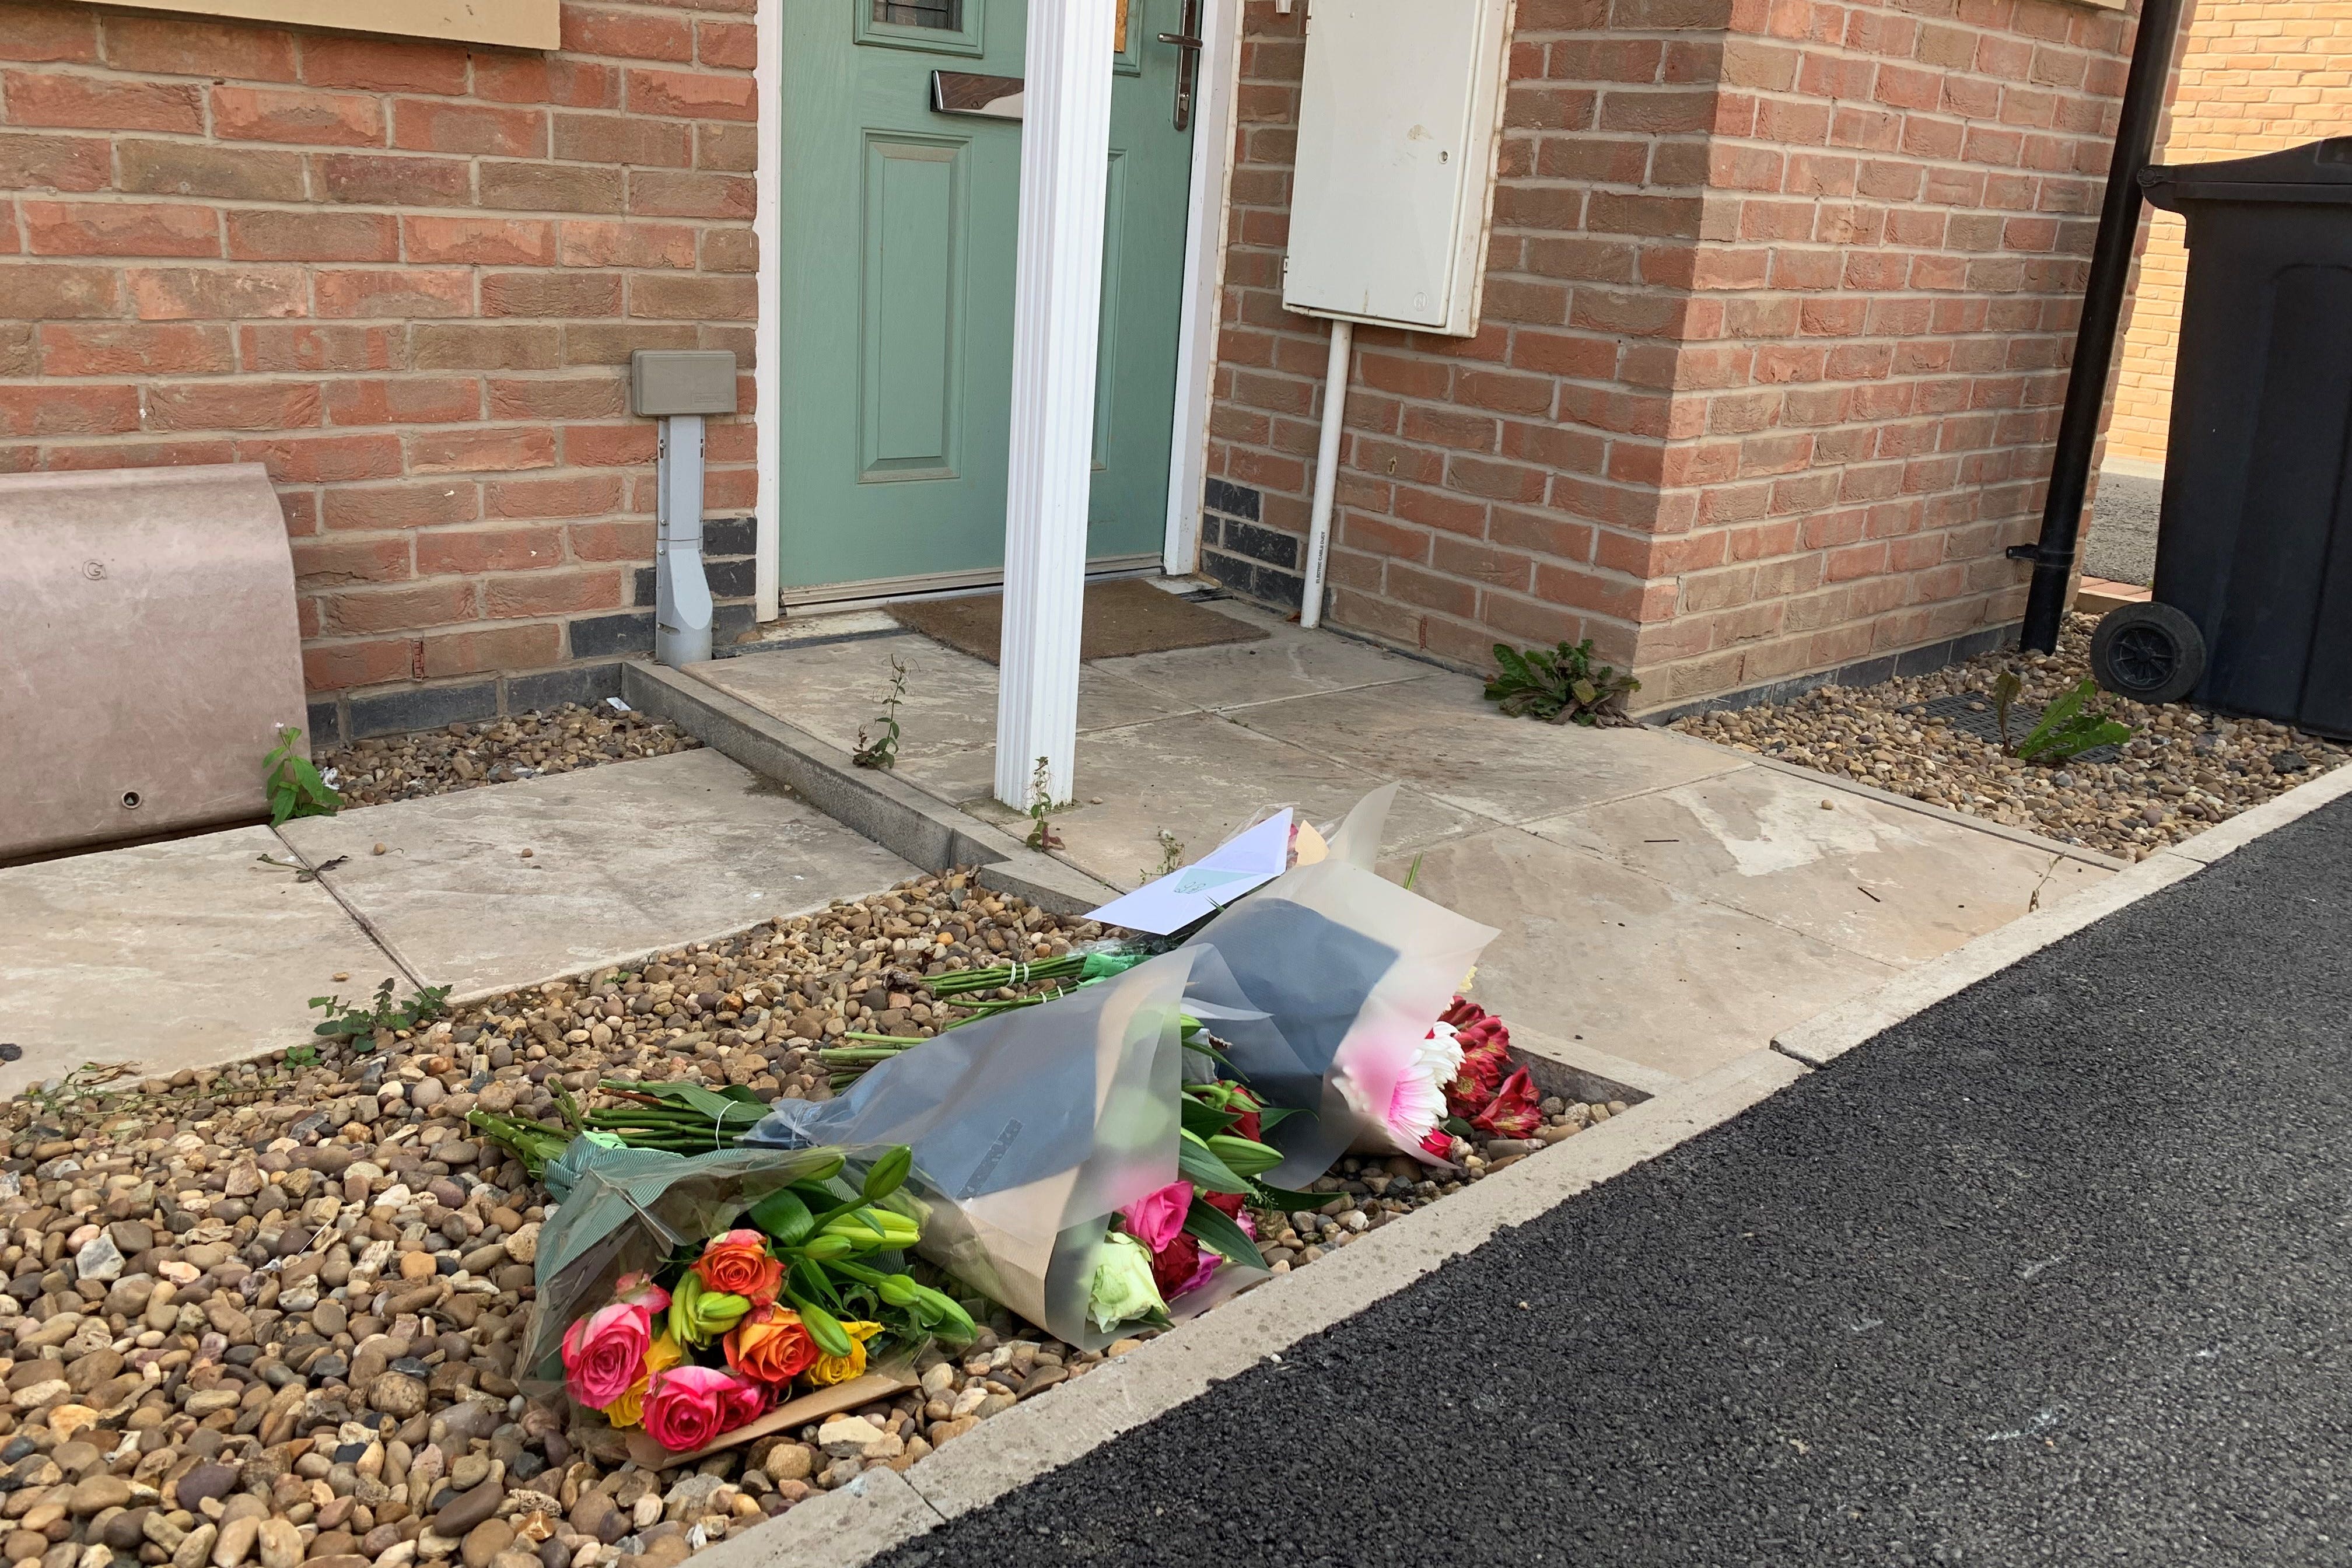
x: 604, y: 1352
x: 690, y: 1406
x: 1158, y: 1219
x: 639, y: 1290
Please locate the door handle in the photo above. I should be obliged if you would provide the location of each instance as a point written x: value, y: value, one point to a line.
x: 1188, y: 44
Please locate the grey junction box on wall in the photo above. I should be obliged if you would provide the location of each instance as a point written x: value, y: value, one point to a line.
x: 1398, y: 122
x: 663, y: 382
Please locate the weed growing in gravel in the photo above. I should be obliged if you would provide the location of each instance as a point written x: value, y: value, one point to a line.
x: 295, y: 787
x: 348, y: 1023
x: 883, y: 752
x: 1559, y: 686
x: 1171, y: 857
x: 2064, y: 733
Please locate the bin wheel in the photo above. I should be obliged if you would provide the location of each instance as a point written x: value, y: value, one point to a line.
x: 2147, y: 652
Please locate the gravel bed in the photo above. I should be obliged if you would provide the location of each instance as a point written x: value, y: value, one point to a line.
x: 2183, y: 770
x: 267, y: 1313
x: 497, y: 750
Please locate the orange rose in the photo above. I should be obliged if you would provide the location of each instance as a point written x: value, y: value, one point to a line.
x: 770, y: 1346
x: 739, y: 1264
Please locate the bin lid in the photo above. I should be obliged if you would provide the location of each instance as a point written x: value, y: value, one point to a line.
x: 2316, y: 171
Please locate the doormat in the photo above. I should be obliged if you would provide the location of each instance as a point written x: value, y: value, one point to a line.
x: 1125, y: 615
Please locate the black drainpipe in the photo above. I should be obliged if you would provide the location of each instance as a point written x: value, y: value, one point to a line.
x: 2094, y: 339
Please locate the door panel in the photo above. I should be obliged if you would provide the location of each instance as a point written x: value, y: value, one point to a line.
x: 898, y: 266
x: 915, y: 202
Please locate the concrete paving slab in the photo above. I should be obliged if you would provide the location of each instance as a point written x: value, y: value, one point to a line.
x: 176, y: 956
x: 1438, y: 734
x: 1203, y: 778
x: 625, y: 859
x: 1870, y: 877
x: 951, y: 701
x: 1595, y: 953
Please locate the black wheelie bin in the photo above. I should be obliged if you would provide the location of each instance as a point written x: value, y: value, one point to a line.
x: 2253, y: 600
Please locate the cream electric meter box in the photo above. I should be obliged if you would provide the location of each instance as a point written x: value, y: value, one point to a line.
x: 1398, y: 119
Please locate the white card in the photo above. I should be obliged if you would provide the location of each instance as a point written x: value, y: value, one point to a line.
x: 1248, y: 860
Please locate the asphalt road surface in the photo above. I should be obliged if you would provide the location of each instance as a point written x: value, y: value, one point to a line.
x: 2059, y: 1271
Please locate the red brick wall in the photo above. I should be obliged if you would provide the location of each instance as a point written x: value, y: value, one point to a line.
x: 1778, y: 310
x: 406, y: 277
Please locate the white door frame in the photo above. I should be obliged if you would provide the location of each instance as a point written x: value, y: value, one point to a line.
x: 1216, y: 92
x: 1215, y: 95
x: 766, y: 325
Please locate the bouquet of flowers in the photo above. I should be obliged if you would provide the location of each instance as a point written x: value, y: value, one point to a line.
x: 793, y: 1283
x: 1335, y: 977
x: 1061, y: 1163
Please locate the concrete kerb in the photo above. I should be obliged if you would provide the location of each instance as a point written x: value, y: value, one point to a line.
x: 894, y: 814
x: 847, y: 1527
x: 1823, y: 1037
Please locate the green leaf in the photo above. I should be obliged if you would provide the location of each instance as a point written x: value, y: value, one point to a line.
x: 1273, y: 1116
x: 1286, y: 1200
x: 783, y: 1215
x: 1207, y: 1121
x: 1197, y: 1165
x: 806, y: 1281
x: 1215, y: 1229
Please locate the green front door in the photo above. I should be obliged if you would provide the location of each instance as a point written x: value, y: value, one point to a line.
x: 898, y: 229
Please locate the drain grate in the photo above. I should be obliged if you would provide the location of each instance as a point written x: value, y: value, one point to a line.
x: 1971, y: 713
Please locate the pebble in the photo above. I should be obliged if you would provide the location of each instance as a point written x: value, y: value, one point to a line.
x: 468, y: 1510
x: 2182, y: 771
x: 496, y: 751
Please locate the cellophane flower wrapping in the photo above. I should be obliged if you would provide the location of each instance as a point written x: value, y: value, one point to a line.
x: 627, y: 1211
x: 1029, y: 1129
x: 1347, y: 973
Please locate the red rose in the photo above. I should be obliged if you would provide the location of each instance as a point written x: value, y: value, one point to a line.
x: 1174, y: 1266
x: 1229, y: 1205
x: 1247, y: 1124
x: 1513, y: 1113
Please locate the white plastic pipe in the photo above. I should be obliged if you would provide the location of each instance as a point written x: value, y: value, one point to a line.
x: 1056, y: 320
x: 1327, y: 472
x: 681, y: 593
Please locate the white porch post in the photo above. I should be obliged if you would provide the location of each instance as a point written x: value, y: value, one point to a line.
x: 1057, y: 313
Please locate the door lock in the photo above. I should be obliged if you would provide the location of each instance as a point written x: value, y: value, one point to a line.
x: 1189, y: 66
